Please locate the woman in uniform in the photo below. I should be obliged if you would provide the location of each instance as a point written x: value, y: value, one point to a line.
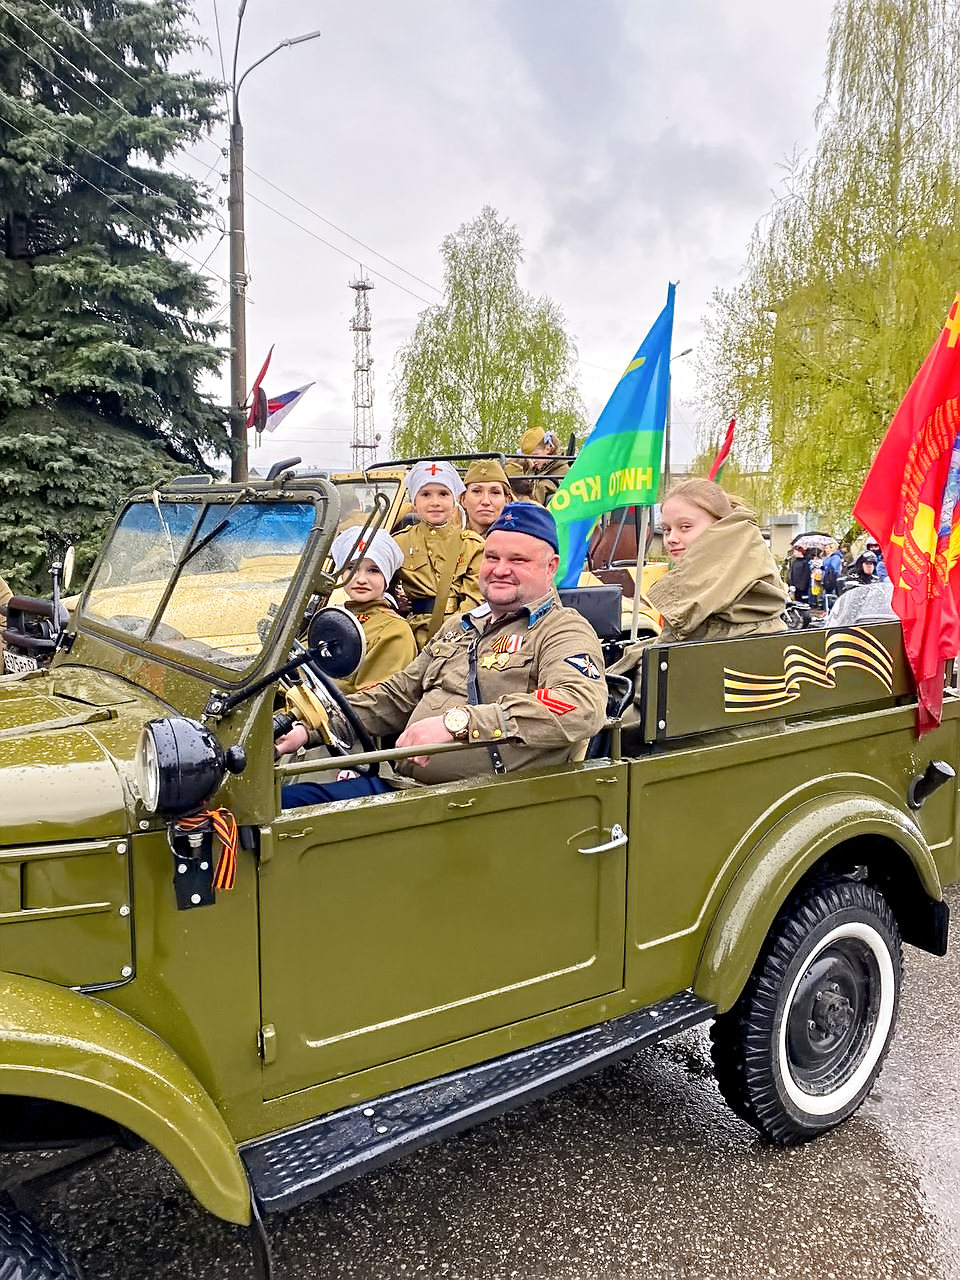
x: 441, y: 559
x: 724, y: 581
x: 487, y: 492
x: 544, y: 466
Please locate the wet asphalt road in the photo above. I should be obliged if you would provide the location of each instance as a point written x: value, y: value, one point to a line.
x: 640, y: 1172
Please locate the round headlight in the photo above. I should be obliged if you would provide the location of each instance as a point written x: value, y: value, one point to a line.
x: 179, y: 765
x: 147, y: 770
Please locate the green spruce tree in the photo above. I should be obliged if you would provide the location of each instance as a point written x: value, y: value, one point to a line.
x: 101, y: 313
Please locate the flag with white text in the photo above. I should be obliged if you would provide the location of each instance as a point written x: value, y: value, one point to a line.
x: 619, y: 463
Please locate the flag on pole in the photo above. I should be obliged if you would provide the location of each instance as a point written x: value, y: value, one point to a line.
x: 720, y: 461
x: 256, y: 388
x: 909, y: 502
x: 279, y: 406
x: 619, y: 463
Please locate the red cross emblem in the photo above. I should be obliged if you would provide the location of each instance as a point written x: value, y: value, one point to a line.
x: 434, y: 469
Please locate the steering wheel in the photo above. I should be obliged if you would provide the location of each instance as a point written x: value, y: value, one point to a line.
x: 346, y: 730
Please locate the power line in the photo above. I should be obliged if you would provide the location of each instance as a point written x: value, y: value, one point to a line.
x: 94, y: 83
x: 98, y: 111
x: 223, y: 68
x: 106, y: 195
x: 208, y: 226
x: 382, y: 256
x: 336, y: 248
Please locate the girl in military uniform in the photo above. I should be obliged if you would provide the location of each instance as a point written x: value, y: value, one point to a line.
x: 441, y: 559
x: 487, y: 492
x: 724, y: 581
x: 390, y: 645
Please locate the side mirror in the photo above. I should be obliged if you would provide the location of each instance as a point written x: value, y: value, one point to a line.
x: 337, y: 641
x: 66, y: 573
x: 336, y: 648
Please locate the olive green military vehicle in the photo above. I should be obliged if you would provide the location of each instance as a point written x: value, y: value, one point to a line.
x: 747, y: 842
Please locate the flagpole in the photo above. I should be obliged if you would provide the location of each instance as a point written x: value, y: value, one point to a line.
x: 641, y: 557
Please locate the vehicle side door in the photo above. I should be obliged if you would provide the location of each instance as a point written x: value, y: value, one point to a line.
x: 396, y: 923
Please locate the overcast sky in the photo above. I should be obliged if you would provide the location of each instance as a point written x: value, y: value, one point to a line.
x: 632, y: 142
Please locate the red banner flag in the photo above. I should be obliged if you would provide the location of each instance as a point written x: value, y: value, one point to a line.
x: 256, y: 387
x: 720, y: 461
x: 909, y: 502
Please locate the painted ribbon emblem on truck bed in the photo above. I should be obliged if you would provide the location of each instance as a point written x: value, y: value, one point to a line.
x: 745, y: 692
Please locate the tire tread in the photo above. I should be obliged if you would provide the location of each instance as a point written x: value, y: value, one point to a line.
x: 741, y: 1037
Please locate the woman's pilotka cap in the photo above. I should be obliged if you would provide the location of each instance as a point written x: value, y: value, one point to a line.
x: 444, y: 473
x: 529, y: 518
x: 380, y: 548
x: 486, y: 471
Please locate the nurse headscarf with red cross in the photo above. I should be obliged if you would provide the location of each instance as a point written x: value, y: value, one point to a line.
x: 444, y: 473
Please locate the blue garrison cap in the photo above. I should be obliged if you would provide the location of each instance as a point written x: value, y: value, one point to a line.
x: 527, y: 517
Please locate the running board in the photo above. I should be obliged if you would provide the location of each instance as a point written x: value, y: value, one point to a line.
x: 291, y: 1167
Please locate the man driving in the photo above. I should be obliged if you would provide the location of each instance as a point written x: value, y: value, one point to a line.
x: 520, y: 676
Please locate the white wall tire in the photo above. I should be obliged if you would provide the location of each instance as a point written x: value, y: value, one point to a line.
x: 805, y: 1042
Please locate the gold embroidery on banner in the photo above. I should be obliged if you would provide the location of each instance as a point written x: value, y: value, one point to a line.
x: 746, y: 692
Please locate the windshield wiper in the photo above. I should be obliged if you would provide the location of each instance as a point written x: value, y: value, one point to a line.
x: 187, y: 555
x: 191, y: 549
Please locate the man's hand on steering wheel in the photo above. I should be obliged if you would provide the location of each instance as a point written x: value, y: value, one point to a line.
x: 292, y: 740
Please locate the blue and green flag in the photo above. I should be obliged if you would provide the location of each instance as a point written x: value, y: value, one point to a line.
x: 619, y: 464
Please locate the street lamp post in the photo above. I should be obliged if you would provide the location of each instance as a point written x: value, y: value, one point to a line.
x: 238, y: 275
x: 665, y: 473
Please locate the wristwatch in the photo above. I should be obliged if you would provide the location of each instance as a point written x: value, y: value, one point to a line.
x: 456, y: 721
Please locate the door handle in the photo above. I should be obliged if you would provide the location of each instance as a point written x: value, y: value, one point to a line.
x: 618, y: 838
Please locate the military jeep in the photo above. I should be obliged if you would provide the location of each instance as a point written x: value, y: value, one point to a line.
x: 278, y: 1000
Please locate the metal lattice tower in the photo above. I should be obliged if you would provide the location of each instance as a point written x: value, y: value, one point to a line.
x: 364, y: 440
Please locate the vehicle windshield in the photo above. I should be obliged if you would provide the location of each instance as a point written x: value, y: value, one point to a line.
x: 357, y: 496
x: 203, y: 580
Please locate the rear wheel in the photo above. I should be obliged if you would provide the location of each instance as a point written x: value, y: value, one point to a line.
x: 803, y: 1045
x: 27, y: 1252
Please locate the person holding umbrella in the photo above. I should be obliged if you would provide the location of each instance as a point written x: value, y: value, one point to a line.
x: 798, y: 575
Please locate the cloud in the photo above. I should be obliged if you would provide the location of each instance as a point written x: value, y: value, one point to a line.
x: 631, y: 144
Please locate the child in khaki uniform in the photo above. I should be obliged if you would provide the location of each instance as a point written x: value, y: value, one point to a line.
x: 439, y: 555
x: 390, y: 645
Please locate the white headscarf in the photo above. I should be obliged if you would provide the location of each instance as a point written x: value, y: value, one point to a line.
x: 381, y: 549
x: 444, y: 473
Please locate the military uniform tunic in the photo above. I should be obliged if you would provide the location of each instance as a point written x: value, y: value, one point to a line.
x: 390, y: 644
x: 547, y: 480
x: 426, y: 550
x: 540, y: 682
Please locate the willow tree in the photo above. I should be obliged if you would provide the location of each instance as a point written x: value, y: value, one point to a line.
x: 488, y: 361
x: 849, y: 277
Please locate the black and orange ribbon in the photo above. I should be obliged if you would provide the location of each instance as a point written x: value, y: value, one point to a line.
x: 224, y: 826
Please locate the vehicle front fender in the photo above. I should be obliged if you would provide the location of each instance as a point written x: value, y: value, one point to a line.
x: 797, y: 842
x: 62, y: 1046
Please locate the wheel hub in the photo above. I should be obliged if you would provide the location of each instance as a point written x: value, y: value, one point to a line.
x: 826, y: 1022
x: 832, y: 1012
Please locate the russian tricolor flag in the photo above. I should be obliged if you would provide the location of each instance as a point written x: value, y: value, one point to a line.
x: 279, y: 406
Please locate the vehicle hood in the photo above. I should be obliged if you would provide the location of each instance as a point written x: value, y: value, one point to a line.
x: 67, y: 742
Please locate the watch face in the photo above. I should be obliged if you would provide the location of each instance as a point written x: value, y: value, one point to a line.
x: 456, y: 721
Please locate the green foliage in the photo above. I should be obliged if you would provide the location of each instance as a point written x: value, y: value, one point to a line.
x: 65, y: 472
x: 490, y: 360
x: 849, y: 279
x: 94, y: 312
x: 752, y: 486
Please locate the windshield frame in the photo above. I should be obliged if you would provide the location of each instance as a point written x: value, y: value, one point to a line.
x: 320, y: 495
